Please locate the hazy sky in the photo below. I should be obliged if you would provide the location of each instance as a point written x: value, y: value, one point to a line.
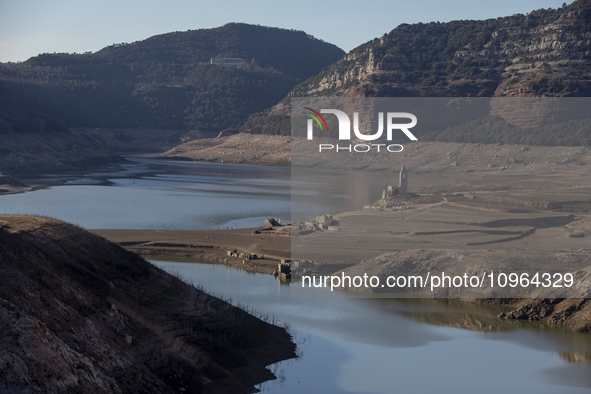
x: 31, y: 27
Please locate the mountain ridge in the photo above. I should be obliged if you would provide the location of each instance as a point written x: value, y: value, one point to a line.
x: 543, y: 53
x: 166, y: 81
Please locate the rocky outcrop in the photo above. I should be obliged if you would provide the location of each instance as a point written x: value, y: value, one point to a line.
x: 272, y: 222
x: 540, y: 48
x: 574, y: 313
x: 80, y: 314
x: 543, y: 53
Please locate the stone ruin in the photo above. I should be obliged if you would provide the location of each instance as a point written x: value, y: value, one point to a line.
x: 243, y: 255
x: 283, y: 270
x: 321, y: 222
x: 303, y: 267
x: 399, y: 190
x: 324, y: 220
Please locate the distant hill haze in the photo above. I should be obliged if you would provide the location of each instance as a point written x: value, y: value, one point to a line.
x: 543, y: 53
x: 167, y: 81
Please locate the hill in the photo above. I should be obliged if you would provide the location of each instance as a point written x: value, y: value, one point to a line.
x: 17, y: 115
x: 166, y: 81
x: 543, y: 53
x: 81, y: 314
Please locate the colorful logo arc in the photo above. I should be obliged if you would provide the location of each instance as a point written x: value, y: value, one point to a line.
x: 315, y: 117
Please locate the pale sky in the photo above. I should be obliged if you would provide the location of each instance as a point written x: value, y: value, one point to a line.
x: 31, y: 27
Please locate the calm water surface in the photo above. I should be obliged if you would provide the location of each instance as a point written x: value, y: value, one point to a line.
x: 180, y: 195
x: 423, y: 346
x: 161, y: 194
x: 346, y: 345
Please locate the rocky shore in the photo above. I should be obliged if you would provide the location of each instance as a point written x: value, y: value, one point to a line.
x: 80, y: 314
x: 573, y: 313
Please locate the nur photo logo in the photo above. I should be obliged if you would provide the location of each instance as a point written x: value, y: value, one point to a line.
x: 392, y: 122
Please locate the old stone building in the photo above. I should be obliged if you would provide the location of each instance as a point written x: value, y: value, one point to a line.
x: 402, y: 187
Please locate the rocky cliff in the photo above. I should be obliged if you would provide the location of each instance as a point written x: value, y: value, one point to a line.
x: 80, y: 314
x: 543, y: 53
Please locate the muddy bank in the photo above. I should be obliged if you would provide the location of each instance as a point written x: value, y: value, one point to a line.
x: 33, y: 153
x: 30, y: 155
x: 9, y: 184
x: 419, y: 157
x: 252, y: 149
x: 80, y: 150
x: 79, y: 313
x: 206, y: 245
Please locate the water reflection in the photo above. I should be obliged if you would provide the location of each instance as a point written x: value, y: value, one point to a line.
x: 575, y: 357
x: 449, y: 314
x: 412, y: 346
x: 161, y: 194
x: 346, y: 345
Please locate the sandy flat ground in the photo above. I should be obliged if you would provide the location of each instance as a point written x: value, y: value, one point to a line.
x: 208, y: 245
x: 521, y: 214
x: 536, y: 203
x: 367, y: 234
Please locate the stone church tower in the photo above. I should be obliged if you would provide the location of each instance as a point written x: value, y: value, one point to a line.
x: 399, y: 190
x: 403, y: 181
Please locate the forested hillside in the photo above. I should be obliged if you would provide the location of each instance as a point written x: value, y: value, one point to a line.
x: 19, y: 115
x: 166, y: 81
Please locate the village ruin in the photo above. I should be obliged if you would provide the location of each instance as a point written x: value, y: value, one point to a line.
x: 401, y: 189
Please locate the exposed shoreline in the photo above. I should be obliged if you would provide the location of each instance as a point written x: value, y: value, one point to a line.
x: 555, y: 167
x: 275, y: 151
x: 574, y: 314
x: 92, y: 317
x: 205, y: 245
x: 428, y: 157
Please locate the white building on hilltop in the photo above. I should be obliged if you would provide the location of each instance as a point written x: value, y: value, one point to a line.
x: 226, y: 61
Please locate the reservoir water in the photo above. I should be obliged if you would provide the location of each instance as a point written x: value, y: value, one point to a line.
x: 181, y: 195
x: 386, y: 345
x: 345, y: 345
x: 158, y: 194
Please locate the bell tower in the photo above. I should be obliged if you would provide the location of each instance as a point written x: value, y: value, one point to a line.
x: 403, y: 181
